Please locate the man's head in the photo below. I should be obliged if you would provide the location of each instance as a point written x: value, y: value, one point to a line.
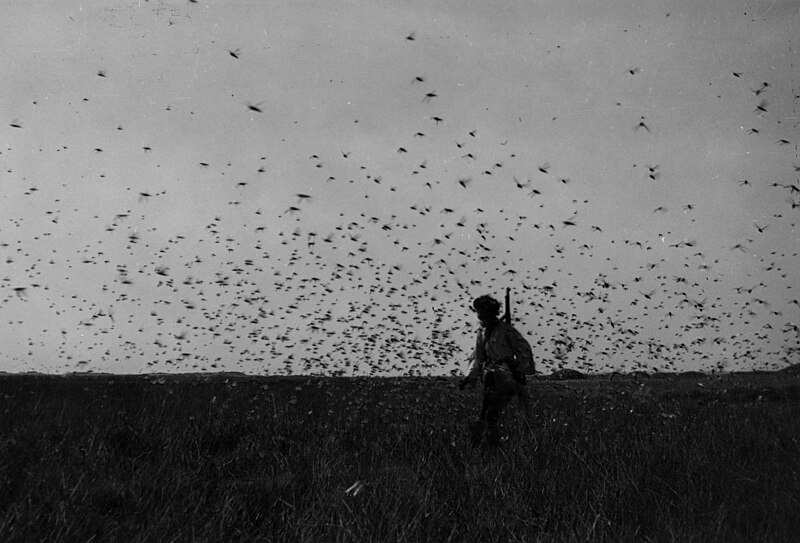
x: 486, y: 307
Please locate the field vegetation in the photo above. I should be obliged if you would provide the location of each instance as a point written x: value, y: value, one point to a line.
x: 242, y: 458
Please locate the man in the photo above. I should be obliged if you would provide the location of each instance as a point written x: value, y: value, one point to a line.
x: 495, y: 361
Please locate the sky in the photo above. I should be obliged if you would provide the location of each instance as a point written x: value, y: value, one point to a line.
x: 323, y: 188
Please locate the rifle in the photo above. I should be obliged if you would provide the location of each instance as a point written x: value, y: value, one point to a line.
x: 507, y: 316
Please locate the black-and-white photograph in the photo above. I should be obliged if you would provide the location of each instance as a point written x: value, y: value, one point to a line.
x: 397, y: 270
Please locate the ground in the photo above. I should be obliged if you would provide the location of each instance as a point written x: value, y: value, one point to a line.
x: 234, y: 457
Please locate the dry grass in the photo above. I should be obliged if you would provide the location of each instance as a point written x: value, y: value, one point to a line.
x: 313, y: 459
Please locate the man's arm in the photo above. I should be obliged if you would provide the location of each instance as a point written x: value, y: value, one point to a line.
x: 473, y: 372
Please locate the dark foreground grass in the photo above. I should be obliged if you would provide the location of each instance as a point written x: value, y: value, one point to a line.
x: 326, y: 459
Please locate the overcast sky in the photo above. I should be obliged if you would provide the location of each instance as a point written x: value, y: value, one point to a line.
x: 324, y: 187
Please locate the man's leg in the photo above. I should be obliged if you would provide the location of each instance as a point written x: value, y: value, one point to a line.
x: 494, y: 402
x: 492, y: 425
x: 476, y: 432
x: 477, y: 427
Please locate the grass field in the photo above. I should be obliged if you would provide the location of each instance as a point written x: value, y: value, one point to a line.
x: 238, y: 458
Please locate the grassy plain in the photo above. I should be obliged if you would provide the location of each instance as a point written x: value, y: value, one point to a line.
x: 239, y: 458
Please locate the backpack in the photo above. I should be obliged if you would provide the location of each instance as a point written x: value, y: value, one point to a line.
x: 521, y: 350
x: 523, y: 353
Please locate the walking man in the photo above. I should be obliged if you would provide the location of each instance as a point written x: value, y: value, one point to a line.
x: 499, y: 352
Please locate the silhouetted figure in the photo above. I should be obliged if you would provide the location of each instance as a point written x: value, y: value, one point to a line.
x: 493, y: 361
